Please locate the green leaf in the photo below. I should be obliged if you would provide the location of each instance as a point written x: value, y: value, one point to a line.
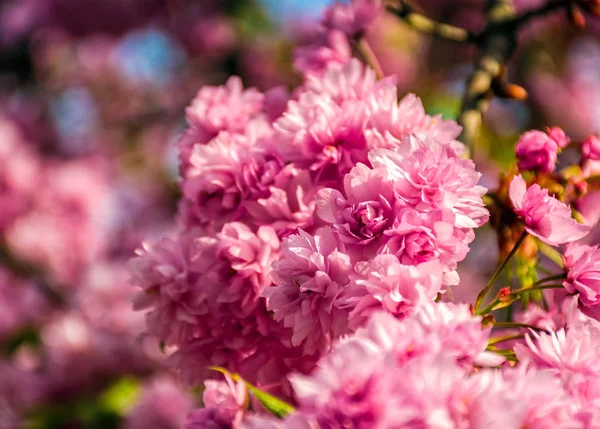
x: 120, y: 396
x: 275, y: 405
x: 481, y: 297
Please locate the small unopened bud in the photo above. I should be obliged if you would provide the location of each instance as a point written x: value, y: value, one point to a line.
x: 503, y: 89
x: 581, y: 187
x: 488, y: 321
x: 503, y: 293
x: 575, y: 16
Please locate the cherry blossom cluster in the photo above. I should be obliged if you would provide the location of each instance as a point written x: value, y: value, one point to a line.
x: 319, y: 238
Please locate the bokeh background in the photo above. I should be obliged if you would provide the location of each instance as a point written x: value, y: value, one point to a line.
x: 92, y: 99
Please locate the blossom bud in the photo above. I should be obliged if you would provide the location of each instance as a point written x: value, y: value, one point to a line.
x: 590, y: 148
x: 559, y: 136
x: 536, y: 150
x: 576, y: 17
x: 503, y: 89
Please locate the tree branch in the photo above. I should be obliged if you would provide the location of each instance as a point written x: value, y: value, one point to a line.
x: 426, y: 25
x: 497, y: 46
x: 497, y: 43
x: 551, y: 6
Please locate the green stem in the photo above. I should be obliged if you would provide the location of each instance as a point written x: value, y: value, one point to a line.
x: 508, y: 258
x: 517, y: 294
x: 510, y: 325
x: 369, y: 57
x: 485, y: 291
x: 547, y: 279
x: 550, y: 253
x: 497, y: 340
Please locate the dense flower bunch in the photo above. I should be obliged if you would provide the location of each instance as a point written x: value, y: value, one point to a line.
x: 317, y: 249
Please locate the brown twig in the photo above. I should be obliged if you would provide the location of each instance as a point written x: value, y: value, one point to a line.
x: 426, y: 25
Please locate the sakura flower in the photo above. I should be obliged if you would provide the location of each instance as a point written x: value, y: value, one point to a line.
x: 319, y: 134
x: 418, y: 237
x: 353, y: 387
x: 179, y: 279
x: 433, y: 177
x: 564, y: 351
x: 545, y: 217
x: 390, y: 122
x: 249, y: 256
x: 19, y: 173
x: 546, y: 402
x: 163, y: 403
x: 329, y: 50
x: 559, y: 136
x: 385, y: 283
x: 461, y: 333
x: 353, y: 18
x: 289, y: 205
x: 432, y: 329
x: 582, y: 264
x: 222, y: 108
x: 353, y: 81
x: 365, y: 212
x: 312, y: 272
x: 536, y: 150
x: 224, y: 405
x: 210, y: 186
x: 590, y: 148
x: 347, y: 388
x: 258, y: 172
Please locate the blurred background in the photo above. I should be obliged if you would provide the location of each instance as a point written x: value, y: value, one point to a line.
x: 92, y: 99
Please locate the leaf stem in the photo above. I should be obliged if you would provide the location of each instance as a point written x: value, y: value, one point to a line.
x: 485, y: 291
x: 369, y: 57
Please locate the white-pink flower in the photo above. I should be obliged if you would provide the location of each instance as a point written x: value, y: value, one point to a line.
x: 353, y: 18
x: 364, y: 212
x: 432, y: 177
x: 383, y: 283
x: 544, y: 216
x: 312, y: 272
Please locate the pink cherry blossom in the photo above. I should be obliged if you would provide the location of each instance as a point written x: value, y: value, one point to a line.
x: 313, y: 271
x: 224, y: 405
x: 249, y: 256
x: 419, y: 237
x: 390, y: 122
x: 460, y: 333
x: 545, y: 217
x: 536, y: 150
x: 366, y: 210
x: 179, y: 278
x: 210, y: 186
x: 352, y: 81
x: 569, y: 351
x: 353, y: 18
x: 546, y: 402
x: 211, y: 110
x: 433, y: 177
x: 290, y: 204
x: 163, y: 403
x: 383, y: 283
x: 329, y: 50
x: 582, y: 264
x: 317, y: 133
x: 590, y: 148
x: 559, y: 136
